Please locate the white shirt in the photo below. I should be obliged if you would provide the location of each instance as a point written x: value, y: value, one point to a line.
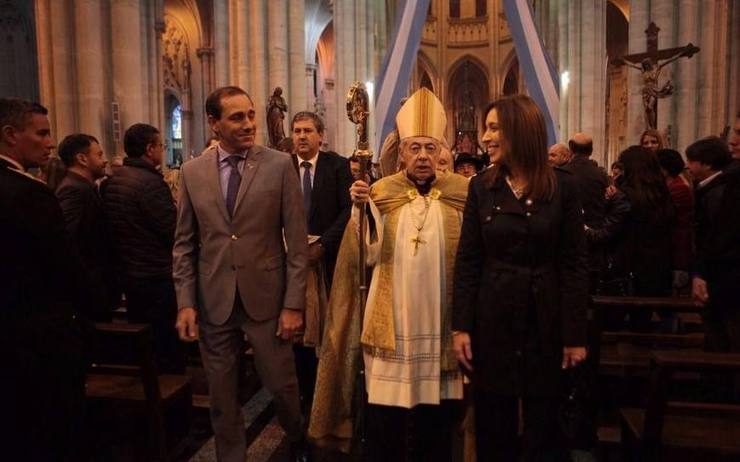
x: 312, y: 170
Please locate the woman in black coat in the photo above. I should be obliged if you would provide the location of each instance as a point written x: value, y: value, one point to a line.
x: 644, y: 249
x: 521, y: 285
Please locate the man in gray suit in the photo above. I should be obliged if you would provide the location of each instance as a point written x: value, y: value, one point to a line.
x: 232, y: 272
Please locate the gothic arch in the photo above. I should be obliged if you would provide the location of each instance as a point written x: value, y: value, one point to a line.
x: 468, y: 58
x: 184, y: 34
x: 510, y: 75
x: 468, y: 93
x: 426, y: 68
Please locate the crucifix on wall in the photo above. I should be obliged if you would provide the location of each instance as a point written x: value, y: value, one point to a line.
x: 650, y: 63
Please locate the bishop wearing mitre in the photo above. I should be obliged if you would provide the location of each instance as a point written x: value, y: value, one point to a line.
x: 412, y: 378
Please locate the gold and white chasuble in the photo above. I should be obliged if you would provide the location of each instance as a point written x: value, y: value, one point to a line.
x: 405, y: 339
x: 411, y: 373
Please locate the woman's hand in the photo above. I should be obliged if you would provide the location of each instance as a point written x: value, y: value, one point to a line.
x: 573, y: 356
x: 462, y: 348
x: 359, y: 192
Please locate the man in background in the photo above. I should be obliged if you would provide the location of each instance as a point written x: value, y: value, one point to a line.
x: 141, y: 214
x: 85, y: 219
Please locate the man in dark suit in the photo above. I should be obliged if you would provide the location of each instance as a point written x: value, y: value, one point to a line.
x: 592, y: 183
x: 41, y: 291
x: 84, y: 217
x: 716, y: 267
x: 325, y: 181
x: 239, y: 207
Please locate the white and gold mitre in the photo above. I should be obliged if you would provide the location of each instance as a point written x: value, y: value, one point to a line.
x: 422, y: 115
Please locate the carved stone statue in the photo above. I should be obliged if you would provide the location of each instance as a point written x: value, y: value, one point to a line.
x: 276, y: 109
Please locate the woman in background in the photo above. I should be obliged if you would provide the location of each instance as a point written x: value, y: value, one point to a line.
x: 652, y: 140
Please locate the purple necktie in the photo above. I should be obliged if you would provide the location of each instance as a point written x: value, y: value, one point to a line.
x: 234, y: 179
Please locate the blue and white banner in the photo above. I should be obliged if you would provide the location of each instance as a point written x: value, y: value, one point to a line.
x: 393, y: 82
x: 539, y: 73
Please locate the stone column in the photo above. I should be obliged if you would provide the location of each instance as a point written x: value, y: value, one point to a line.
x: 243, y: 40
x: 221, y: 42
x: 309, y: 86
x: 563, y: 65
x: 592, y: 73
x: 45, y: 57
x: 258, y: 64
x: 639, y: 20
x: 296, y: 52
x: 277, y: 43
x: 93, y: 108
x: 205, y: 55
x: 686, y: 78
x: 661, y: 13
x: 126, y: 33
x: 344, y: 21
x: 64, y: 105
x: 707, y: 65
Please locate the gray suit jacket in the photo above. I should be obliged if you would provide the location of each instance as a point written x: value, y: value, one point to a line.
x: 214, y: 255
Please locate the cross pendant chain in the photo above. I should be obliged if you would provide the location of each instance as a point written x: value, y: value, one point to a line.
x: 417, y: 240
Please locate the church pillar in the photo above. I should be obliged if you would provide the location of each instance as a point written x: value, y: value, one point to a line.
x: 127, y: 63
x: 93, y: 109
x: 686, y: 77
x: 734, y: 90
x: 639, y: 20
x: 45, y: 58
x: 661, y: 13
x: 309, y: 83
x: 258, y: 63
x: 707, y: 64
x: 241, y: 44
x: 221, y: 42
x: 63, y: 106
x: 296, y: 54
x: 277, y: 33
x: 592, y: 75
x: 344, y: 29
x: 205, y: 55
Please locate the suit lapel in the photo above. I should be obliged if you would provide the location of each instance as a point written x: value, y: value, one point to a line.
x: 250, y: 170
x: 214, y: 181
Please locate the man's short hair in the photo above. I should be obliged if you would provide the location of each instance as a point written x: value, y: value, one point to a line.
x: 74, y: 144
x: 579, y: 149
x: 17, y: 111
x: 308, y: 115
x: 670, y: 160
x: 137, y: 138
x: 712, y: 151
x: 214, y: 108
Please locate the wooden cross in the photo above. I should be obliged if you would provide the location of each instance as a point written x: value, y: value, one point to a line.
x: 649, y: 64
x: 417, y: 240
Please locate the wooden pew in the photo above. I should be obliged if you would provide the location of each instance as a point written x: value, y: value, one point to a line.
x: 123, y: 382
x: 626, y: 354
x: 682, y: 431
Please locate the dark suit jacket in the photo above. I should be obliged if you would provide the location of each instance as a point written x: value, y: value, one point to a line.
x: 592, y: 183
x: 718, y: 239
x: 215, y: 255
x: 521, y: 284
x: 86, y: 224
x: 41, y: 290
x: 330, y: 204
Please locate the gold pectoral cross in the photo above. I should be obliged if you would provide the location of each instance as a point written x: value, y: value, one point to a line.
x: 417, y: 240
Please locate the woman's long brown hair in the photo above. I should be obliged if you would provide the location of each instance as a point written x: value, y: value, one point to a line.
x: 524, y: 146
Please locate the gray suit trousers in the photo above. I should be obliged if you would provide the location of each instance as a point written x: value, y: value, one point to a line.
x: 221, y: 348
